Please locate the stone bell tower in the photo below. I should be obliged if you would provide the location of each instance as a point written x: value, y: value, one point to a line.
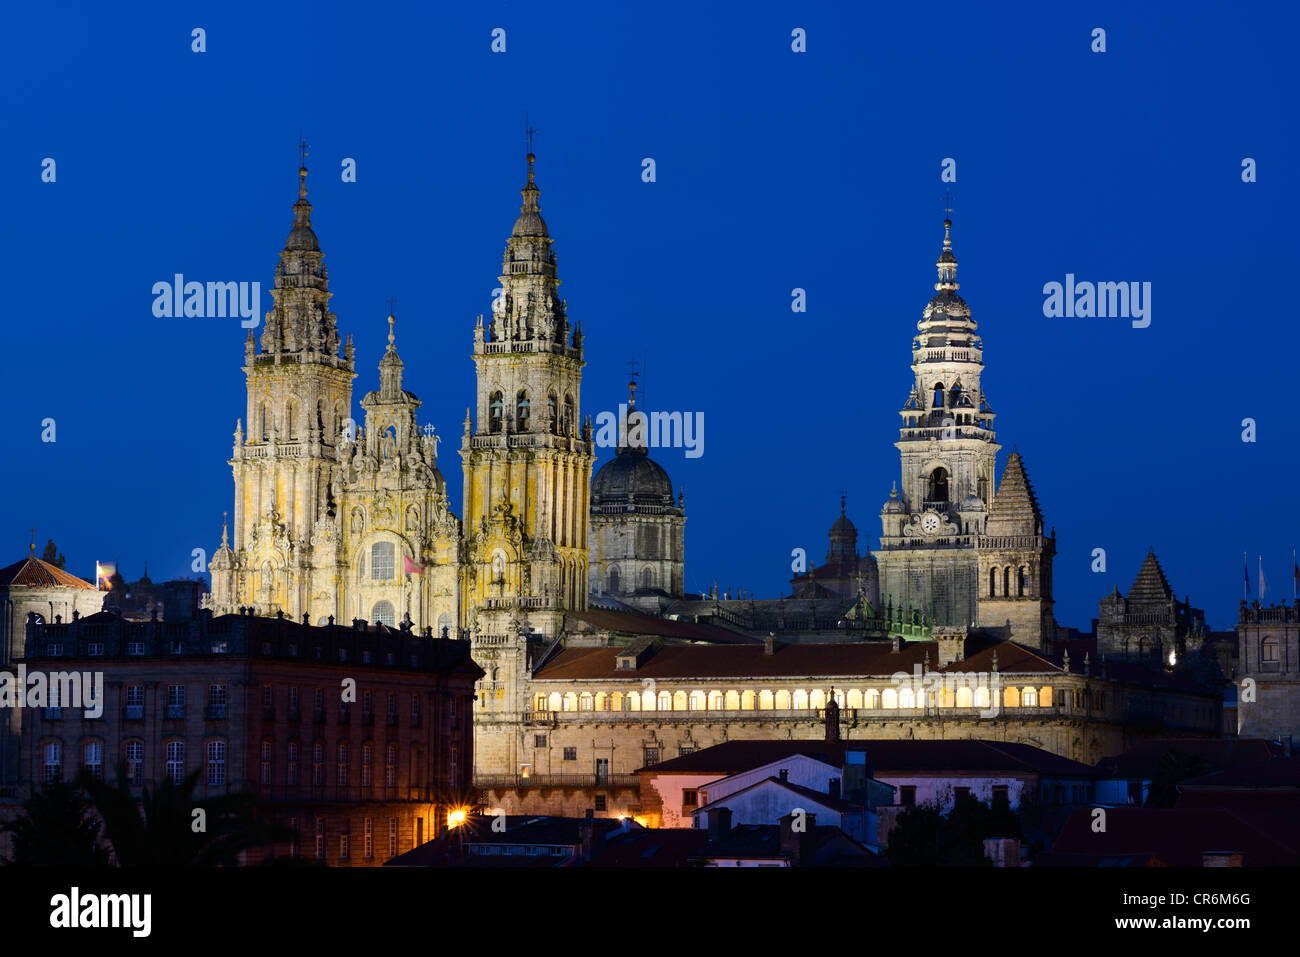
x: 527, y: 465
x: 299, y: 397
x: 947, y: 449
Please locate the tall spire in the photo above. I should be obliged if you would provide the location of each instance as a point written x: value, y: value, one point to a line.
x: 947, y: 262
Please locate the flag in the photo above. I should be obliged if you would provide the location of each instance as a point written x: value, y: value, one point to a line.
x: 104, y: 571
x: 1262, y: 584
x: 410, y: 568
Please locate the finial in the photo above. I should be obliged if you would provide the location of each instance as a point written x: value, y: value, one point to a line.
x: 225, y: 541
x: 33, y: 541
x: 392, y: 339
x: 528, y: 136
x: 632, y: 384
x: 843, y: 499
x: 302, y: 166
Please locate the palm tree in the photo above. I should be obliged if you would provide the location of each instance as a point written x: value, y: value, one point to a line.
x: 95, y: 824
x: 58, y: 828
x: 163, y: 827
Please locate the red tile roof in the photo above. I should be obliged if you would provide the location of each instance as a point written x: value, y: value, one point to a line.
x: 34, y: 573
x: 632, y: 624
x: 1179, y: 836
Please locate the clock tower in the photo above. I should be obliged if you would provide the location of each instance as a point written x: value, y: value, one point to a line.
x: 935, y: 527
x: 947, y: 446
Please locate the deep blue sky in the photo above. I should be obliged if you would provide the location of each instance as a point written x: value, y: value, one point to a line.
x: 775, y: 170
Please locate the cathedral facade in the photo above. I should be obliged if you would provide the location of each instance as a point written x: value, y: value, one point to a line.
x: 332, y: 520
x: 949, y: 544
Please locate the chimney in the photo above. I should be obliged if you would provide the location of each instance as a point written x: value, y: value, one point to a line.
x: 834, y: 788
x: 797, y: 845
x: 587, y: 836
x: 784, y: 775
x: 719, y: 824
x: 769, y: 644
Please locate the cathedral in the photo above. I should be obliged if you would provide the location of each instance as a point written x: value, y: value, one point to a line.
x: 332, y: 520
x: 949, y: 544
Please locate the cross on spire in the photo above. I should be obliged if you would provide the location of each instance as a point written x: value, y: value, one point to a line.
x: 302, y: 151
x: 391, y: 302
x: 947, y: 204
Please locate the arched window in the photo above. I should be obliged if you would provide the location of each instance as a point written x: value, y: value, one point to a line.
x: 383, y: 561
x: 938, y: 396
x: 552, y: 420
x: 383, y: 614
x: 783, y: 700
x: 993, y: 582
x: 938, y: 486
x: 1029, y: 698
x: 494, y: 412
x: 567, y: 424
x: 613, y: 581
x: 523, y: 409
x: 265, y: 416
x: 291, y: 418
x: 444, y: 625
x: 872, y: 699
x: 1006, y: 581
x: 765, y: 701
x: 647, y: 579
x: 1021, y: 584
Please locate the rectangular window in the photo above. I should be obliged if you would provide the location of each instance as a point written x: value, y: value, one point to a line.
x: 318, y: 765
x: 368, y: 838
x: 539, y: 740
x: 216, y: 701
x: 342, y: 775
x: 392, y: 707
x: 345, y: 846
x: 268, y: 697
x: 600, y: 802
x: 175, y: 701
x: 267, y: 751
x: 216, y: 763
x: 95, y: 649
x: 690, y: 798
x: 134, y: 702
x: 175, y: 761
x: 291, y: 772
x: 390, y: 766
x: 392, y: 837
x: 134, y: 754
x: 54, y: 649
x: 651, y: 756
x: 135, y: 647
x: 570, y: 754
x: 53, y: 763
x: 367, y: 760
x: 220, y: 647
x: 320, y: 838
x: 93, y: 759
x: 293, y: 699
x: 907, y: 795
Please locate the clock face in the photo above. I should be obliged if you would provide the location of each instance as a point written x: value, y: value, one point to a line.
x: 930, y: 523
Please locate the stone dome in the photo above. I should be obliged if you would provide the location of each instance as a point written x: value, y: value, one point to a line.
x: 631, y: 477
x: 972, y: 503
x: 529, y: 223
x: 302, y: 237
